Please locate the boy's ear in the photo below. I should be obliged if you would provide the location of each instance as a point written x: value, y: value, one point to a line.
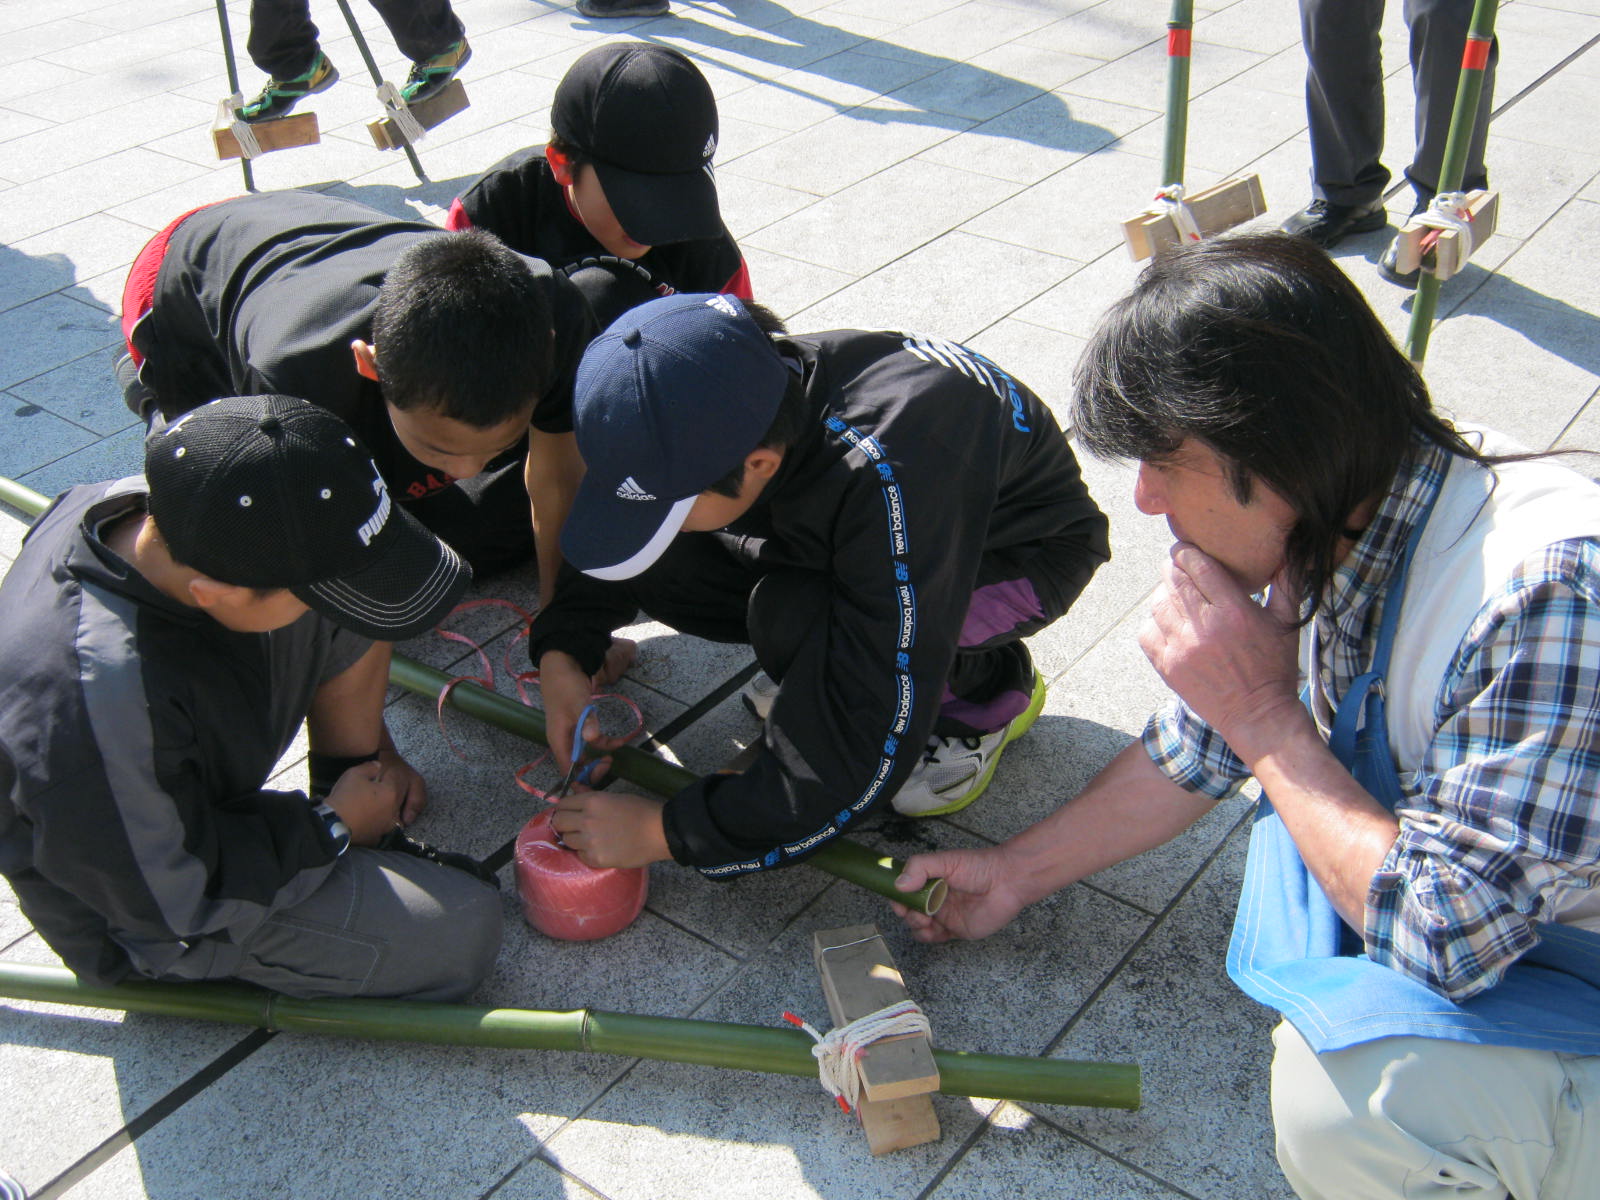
x: 560, y: 165
x: 210, y: 593
x: 763, y: 462
x: 366, y: 359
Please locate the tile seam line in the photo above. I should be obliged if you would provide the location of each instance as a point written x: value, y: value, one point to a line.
x: 168, y: 1104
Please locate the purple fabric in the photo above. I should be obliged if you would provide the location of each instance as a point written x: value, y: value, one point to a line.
x: 989, y: 715
x: 997, y: 609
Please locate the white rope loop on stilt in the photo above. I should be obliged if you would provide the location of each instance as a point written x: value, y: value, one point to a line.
x: 1169, y: 202
x: 1448, y: 211
x: 411, y: 129
x: 228, y: 114
x: 838, y: 1053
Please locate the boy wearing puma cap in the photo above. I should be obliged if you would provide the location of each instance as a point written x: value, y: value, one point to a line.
x: 626, y: 176
x: 883, y: 517
x: 162, y: 640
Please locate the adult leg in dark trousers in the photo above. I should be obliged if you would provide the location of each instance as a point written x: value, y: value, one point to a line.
x: 1345, y: 106
x: 283, y: 39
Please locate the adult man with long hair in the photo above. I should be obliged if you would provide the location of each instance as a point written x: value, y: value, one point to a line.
x: 1419, y: 898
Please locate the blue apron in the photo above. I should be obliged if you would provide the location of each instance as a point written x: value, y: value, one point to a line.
x: 1291, y: 950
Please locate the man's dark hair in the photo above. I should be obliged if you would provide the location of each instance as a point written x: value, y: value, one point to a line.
x: 1260, y: 347
x: 574, y: 153
x: 462, y: 328
x: 793, y: 414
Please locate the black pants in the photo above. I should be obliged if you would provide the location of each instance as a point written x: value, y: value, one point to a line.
x: 283, y: 41
x: 1344, y: 95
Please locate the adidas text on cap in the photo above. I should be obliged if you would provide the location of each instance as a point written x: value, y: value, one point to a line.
x: 646, y: 118
x: 273, y: 492
x: 668, y: 400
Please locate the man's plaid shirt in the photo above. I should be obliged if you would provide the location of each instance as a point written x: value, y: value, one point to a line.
x: 1504, y: 809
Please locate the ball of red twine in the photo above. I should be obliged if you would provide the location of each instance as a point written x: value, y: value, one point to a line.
x: 563, y: 898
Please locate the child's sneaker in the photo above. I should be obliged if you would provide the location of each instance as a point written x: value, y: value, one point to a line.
x: 280, y: 95
x: 759, y: 694
x: 428, y: 77
x: 955, y: 771
x: 622, y: 8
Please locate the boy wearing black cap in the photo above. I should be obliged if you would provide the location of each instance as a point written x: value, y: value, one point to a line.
x: 439, y: 349
x: 882, y: 516
x: 161, y: 641
x: 627, y: 175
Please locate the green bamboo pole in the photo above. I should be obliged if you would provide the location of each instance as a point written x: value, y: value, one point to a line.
x: 22, y: 498
x: 1177, y: 134
x: 774, y: 1050
x: 1463, y: 124
x: 840, y: 857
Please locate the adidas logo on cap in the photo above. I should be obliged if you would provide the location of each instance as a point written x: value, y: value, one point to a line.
x: 629, y: 489
x: 710, y: 148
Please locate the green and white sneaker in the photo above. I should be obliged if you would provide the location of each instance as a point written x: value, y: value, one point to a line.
x: 955, y: 771
x: 429, y: 77
x: 281, y: 95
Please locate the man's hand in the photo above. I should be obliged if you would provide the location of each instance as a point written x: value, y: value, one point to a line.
x: 612, y: 829
x: 981, y: 898
x: 1231, y: 660
x: 565, y: 689
x: 413, y: 789
x: 619, y: 657
x: 367, y: 799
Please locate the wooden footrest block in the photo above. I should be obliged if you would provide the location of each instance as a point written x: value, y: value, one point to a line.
x: 1444, y: 252
x: 435, y: 110
x: 858, y: 978
x: 1215, y: 209
x: 280, y: 133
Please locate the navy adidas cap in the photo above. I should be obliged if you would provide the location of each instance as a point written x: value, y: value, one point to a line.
x: 668, y: 400
x: 273, y: 492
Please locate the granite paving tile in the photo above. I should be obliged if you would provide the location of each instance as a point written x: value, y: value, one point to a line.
x: 75, y: 1076
x: 933, y: 289
x: 863, y: 227
x: 878, y: 137
x: 50, y: 330
x: 1203, y: 1047
x: 1038, y: 138
x: 83, y: 391
x: 115, y: 457
x: 107, y: 185
x: 1078, y: 212
x: 1018, y: 1155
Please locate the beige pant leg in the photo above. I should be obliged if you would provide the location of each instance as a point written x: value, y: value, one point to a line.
x: 1425, y: 1119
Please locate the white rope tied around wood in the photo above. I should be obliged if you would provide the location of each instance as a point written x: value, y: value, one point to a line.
x: 228, y: 114
x: 1448, y: 211
x: 411, y: 129
x: 838, y: 1054
x: 1169, y: 202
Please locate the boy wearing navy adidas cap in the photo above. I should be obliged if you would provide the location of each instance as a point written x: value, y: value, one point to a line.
x: 882, y: 516
x: 162, y: 639
x: 626, y: 179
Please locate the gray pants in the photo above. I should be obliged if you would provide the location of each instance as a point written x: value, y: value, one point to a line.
x: 381, y: 924
x: 1344, y: 95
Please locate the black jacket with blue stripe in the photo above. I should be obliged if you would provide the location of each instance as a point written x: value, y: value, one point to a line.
x: 927, y: 472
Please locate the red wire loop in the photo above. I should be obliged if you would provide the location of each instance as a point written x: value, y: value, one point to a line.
x: 520, y: 679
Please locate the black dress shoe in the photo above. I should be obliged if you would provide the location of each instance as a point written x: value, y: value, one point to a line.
x: 1389, y: 267
x: 1327, y: 224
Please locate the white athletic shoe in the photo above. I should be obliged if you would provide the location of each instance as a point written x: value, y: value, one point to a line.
x: 759, y: 694
x: 953, y: 772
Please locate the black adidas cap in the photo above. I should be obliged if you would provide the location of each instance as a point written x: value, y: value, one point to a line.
x: 646, y: 118
x: 273, y: 492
